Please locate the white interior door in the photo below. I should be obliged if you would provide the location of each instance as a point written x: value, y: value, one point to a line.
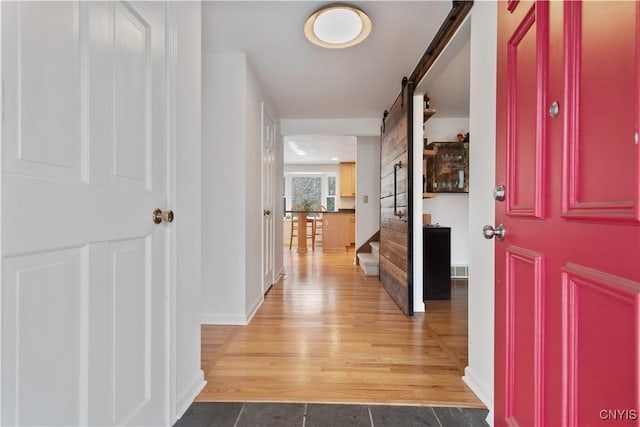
x: 268, y: 148
x: 84, y: 288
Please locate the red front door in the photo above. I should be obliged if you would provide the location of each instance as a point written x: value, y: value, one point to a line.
x: 568, y: 268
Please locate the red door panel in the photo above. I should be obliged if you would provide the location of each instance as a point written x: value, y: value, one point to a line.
x: 600, y: 320
x: 601, y: 120
x: 526, y: 126
x: 568, y: 270
x: 523, y: 336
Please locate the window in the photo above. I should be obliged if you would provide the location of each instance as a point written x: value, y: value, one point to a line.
x: 315, y: 188
x: 306, y: 190
x: 331, y: 193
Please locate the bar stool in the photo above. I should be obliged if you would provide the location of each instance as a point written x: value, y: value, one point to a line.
x: 294, y: 226
x: 317, y: 224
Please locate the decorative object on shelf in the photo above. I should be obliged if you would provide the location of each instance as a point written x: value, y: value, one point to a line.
x: 448, y: 170
x: 460, y: 137
x: 426, y: 102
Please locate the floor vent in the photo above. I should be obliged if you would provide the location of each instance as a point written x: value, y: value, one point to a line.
x: 459, y: 271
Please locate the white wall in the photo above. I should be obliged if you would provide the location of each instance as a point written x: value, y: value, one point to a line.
x: 418, y: 265
x: 450, y: 210
x: 278, y: 211
x: 189, y: 376
x: 479, y: 373
x: 231, y: 189
x: 223, y: 185
x: 367, y: 184
x: 348, y: 127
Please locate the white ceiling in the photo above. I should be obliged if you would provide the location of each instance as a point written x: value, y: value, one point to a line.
x: 316, y: 149
x: 305, y: 81
x: 448, y: 79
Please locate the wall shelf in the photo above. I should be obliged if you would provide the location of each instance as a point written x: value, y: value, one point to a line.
x: 429, y: 153
x: 428, y: 112
x: 427, y: 195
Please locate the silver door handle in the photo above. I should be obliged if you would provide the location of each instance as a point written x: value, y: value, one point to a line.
x: 489, y: 232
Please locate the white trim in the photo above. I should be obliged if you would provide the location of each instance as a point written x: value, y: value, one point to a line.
x: 232, y: 319
x: 171, y: 34
x: 478, y: 388
x: 189, y: 394
x: 254, y: 308
x: 278, y: 276
x: 2, y: 126
x: 418, y: 268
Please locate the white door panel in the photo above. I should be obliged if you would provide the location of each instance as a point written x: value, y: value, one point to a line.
x: 131, y: 297
x: 44, y: 344
x: 84, y: 284
x: 42, y: 91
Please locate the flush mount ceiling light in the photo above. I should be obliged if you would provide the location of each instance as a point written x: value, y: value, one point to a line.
x: 337, y: 26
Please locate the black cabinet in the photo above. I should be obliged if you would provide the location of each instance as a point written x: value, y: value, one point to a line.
x: 436, y: 250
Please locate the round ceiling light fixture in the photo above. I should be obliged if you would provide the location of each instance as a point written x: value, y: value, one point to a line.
x: 337, y: 26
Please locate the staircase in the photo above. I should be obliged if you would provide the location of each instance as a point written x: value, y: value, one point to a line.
x: 370, y: 261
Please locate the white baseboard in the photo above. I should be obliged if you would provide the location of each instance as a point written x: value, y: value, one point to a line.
x: 231, y: 319
x: 254, y: 309
x: 188, y: 396
x: 489, y: 418
x: 480, y: 390
x: 223, y: 319
x: 278, y: 276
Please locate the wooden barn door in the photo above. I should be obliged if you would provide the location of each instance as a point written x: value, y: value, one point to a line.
x: 396, y: 264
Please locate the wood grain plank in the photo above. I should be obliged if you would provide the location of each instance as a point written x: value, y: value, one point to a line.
x: 394, y: 280
x: 395, y: 143
x: 401, y: 201
x: 395, y: 252
x: 387, y: 169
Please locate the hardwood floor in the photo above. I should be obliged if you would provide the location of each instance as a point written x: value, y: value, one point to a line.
x: 326, y: 333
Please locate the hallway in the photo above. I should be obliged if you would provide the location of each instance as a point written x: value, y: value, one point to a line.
x: 327, y: 334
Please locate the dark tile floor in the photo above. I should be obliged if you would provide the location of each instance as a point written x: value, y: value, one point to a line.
x: 321, y: 415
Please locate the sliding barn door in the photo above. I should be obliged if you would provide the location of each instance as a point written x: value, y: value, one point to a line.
x: 396, y: 266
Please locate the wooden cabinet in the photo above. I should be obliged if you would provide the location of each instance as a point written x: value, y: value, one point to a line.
x: 338, y: 230
x: 448, y: 170
x: 347, y: 179
x: 445, y: 165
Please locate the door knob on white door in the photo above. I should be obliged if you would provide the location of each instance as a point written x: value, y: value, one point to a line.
x: 489, y: 232
x: 266, y: 212
x: 159, y: 216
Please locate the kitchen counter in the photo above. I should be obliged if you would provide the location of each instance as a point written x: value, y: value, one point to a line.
x: 338, y: 229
